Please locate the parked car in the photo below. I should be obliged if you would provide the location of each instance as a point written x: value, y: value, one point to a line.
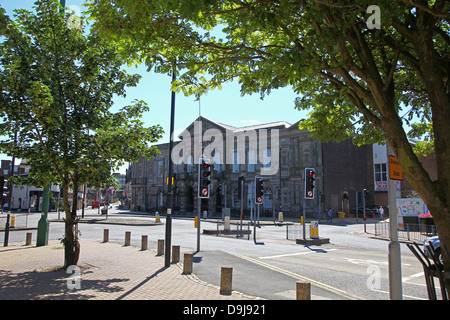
x: 436, y: 245
x: 95, y: 204
x: 370, y: 211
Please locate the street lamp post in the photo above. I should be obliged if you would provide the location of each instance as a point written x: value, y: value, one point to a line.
x: 43, y: 223
x: 168, y: 238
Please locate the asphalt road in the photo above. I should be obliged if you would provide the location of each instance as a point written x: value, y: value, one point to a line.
x: 352, y: 266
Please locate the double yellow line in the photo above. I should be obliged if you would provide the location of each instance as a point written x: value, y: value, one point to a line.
x: 324, y: 286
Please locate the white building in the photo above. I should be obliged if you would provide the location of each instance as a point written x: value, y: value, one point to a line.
x: 29, y: 197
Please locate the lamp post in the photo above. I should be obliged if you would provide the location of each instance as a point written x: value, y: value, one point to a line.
x: 168, y: 237
x: 43, y: 223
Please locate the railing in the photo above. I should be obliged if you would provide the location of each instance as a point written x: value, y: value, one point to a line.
x: 411, y: 232
x: 16, y: 220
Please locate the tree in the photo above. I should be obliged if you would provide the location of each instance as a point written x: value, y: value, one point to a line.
x: 364, y: 71
x: 57, y: 88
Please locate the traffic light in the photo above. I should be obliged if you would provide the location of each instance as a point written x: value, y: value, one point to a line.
x: 310, y: 183
x: 204, y: 179
x: 259, y: 190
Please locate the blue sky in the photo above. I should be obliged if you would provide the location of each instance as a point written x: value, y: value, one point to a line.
x: 225, y: 106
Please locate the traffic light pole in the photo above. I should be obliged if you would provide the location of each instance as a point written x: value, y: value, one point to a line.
x: 254, y: 224
x: 199, y: 201
x: 303, y: 220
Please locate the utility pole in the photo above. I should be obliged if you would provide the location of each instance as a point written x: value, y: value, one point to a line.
x: 395, y: 268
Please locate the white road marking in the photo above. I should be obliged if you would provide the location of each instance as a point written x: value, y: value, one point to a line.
x: 404, y: 295
x: 416, y: 275
x: 294, y: 254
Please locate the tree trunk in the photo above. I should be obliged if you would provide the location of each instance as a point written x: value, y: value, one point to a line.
x: 436, y: 82
x: 71, y: 243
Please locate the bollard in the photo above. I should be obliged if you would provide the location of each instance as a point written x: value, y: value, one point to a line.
x: 105, y: 235
x: 303, y: 291
x: 175, y: 254
x: 144, y: 243
x: 160, y: 251
x: 29, y: 236
x: 127, y: 238
x: 188, y: 263
x: 226, y: 279
x: 314, y: 230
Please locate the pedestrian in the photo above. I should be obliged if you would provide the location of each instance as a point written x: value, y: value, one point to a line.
x: 381, y: 210
x: 330, y: 215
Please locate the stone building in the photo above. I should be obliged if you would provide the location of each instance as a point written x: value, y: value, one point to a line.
x: 279, y: 152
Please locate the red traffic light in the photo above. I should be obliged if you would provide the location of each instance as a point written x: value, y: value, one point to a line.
x: 206, y: 174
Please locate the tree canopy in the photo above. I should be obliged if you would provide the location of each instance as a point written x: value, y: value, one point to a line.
x: 363, y: 70
x: 57, y: 88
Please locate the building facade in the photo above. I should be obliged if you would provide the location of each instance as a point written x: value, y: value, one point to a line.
x: 279, y: 152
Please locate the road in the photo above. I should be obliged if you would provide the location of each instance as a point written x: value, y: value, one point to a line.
x: 352, y: 266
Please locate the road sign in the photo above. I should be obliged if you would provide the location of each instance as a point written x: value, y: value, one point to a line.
x: 205, y: 192
x: 395, y: 172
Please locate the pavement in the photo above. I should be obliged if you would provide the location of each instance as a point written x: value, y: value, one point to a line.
x: 107, y: 271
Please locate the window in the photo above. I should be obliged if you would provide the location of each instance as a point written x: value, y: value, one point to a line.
x: 217, y: 161
x: 267, y: 199
x: 160, y: 169
x: 380, y: 172
x: 380, y: 175
x: 160, y: 199
x: 251, y: 161
x: 190, y: 164
x: 235, y: 163
x: 267, y: 159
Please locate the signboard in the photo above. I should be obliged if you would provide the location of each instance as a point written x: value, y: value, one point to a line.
x: 395, y: 172
x: 407, y: 207
x: 384, y: 186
